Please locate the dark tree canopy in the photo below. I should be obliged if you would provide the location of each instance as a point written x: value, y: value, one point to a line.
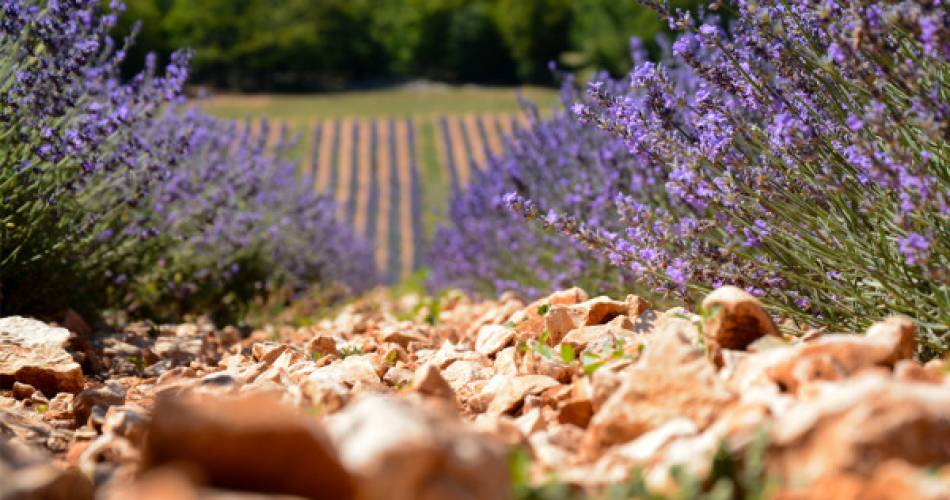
x: 306, y: 44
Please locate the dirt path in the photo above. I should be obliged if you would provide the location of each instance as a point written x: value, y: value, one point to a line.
x: 496, y: 399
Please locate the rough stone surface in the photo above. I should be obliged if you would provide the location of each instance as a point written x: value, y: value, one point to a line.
x: 27, y: 473
x: 856, y: 426
x: 402, y: 451
x: 838, y: 357
x: 34, y: 353
x: 493, y: 338
x: 415, y: 410
x: 250, y: 444
x: 103, y: 397
x: 736, y: 318
x: 672, y: 380
x: 430, y: 382
x: 512, y: 391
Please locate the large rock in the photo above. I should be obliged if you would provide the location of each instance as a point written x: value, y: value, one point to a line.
x: 428, y: 381
x: 493, y: 338
x: 512, y: 391
x: 27, y: 473
x: 249, y: 444
x: 673, y: 379
x: 736, y: 318
x: 596, y: 338
x: 402, y: 451
x: 855, y: 425
x: 893, y: 480
x: 34, y: 353
x: 836, y: 357
x: 104, y: 397
x: 562, y: 318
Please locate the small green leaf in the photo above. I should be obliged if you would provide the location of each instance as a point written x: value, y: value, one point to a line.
x: 590, y: 363
x: 545, y: 351
x: 137, y: 361
x: 510, y: 324
x: 316, y: 356
x: 391, y: 358
x: 543, y: 309
x: 711, y: 312
x: 435, y: 308
x: 567, y: 353
x: 41, y: 408
x: 350, y: 350
x: 590, y: 368
x: 618, y: 349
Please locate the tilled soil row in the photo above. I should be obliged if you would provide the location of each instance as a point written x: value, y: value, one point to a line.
x: 590, y: 391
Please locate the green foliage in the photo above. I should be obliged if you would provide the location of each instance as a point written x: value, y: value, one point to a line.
x: 433, y: 310
x: 451, y: 40
x: 226, y: 298
x: 138, y: 361
x: 591, y: 361
x: 391, y: 358
x: 732, y: 476
x: 601, y: 30
x: 535, y: 33
x: 541, y: 347
x: 350, y: 350
x: 263, y: 44
x: 567, y: 354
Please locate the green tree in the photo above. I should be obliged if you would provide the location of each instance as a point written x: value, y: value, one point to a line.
x: 148, y: 15
x: 212, y: 29
x: 451, y: 40
x: 536, y: 32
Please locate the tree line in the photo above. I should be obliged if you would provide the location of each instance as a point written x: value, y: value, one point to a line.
x: 312, y: 44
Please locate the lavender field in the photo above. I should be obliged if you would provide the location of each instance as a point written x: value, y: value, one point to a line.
x: 374, y: 169
x: 718, y: 268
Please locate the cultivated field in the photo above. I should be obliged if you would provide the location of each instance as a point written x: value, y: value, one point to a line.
x: 392, y: 157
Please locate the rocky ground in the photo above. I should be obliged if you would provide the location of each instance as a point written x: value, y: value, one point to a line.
x: 580, y: 392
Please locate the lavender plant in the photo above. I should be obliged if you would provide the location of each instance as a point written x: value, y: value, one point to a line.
x: 242, y: 222
x: 110, y: 195
x: 71, y: 166
x: 564, y: 167
x: 807, y: 155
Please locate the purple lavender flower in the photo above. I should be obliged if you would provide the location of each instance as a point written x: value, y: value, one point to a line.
x: 134, y: 189
x: 800, y: 172
x: 915, y: 248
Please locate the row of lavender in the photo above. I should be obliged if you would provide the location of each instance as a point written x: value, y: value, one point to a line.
x: 372, y: 168
x: 470, y: 141
x: 113, y: 195
x: 487, y: 249
x: 799, y: 151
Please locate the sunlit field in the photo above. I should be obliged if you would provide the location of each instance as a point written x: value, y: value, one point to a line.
x: 412, y: 100
x: 432, y: 137
x: 475, y: 249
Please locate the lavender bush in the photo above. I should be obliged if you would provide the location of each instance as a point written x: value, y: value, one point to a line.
x: 109, y: 195
x: 242, y: 222
x: 563, y: 166
x: 807, y: 158
x: 72, y: 167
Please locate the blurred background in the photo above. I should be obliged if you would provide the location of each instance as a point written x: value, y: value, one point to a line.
x: 304, y: 45
x: 394, y: 103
